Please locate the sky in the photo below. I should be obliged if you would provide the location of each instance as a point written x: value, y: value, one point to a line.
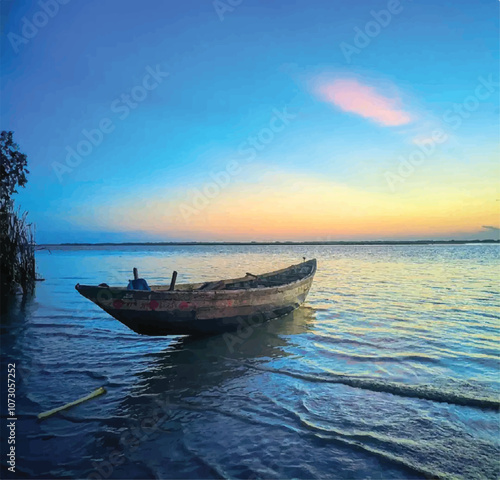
x: 250, y: 120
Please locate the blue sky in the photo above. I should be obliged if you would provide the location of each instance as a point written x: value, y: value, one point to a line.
x: 230, y: 69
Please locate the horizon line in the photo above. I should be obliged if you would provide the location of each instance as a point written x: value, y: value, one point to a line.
x: 236, y: 243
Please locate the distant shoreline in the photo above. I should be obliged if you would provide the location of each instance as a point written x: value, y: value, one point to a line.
x: 312, y: 243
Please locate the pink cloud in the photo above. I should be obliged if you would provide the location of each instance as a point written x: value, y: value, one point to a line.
x: 352, y: 96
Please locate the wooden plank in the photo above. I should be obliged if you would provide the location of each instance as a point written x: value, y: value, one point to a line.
x: 214, y: 285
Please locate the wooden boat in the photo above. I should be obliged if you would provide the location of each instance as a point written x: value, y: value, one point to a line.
x: 205, y: 308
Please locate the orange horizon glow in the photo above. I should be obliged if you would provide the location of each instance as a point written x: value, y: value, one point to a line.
x: 285, y: 207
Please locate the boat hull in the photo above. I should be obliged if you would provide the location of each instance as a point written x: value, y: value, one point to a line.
x: 198, y: 312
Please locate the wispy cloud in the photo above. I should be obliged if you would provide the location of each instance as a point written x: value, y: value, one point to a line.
x: 352, y: 96
x: 491, y: 228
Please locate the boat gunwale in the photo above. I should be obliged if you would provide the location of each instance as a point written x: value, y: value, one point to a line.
x: 146, y: 293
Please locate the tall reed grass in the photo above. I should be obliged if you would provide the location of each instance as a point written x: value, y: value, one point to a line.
x: 17, y: 252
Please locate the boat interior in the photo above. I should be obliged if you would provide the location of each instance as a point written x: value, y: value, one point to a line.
x: 266, y: 280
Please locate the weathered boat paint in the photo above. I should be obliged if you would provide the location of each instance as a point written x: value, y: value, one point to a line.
x: 187, y: 310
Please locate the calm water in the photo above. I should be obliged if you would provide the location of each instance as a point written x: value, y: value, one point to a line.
x: 390, y: 370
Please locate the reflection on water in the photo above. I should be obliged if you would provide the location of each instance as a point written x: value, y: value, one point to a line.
x: 390, y: 370
x: 199, y: 364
